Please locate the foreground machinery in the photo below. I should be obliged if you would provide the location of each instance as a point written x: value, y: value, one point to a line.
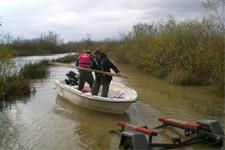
x: 140, y: 138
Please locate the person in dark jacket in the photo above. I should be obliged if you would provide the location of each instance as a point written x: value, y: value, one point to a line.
x: 85, y: 60
x: 102, y: 63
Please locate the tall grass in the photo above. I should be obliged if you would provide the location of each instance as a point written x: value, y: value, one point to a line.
x: 184, y: 53
x: 16, y: 83
x: 11, y: 83
x: 14, y: 86
x: 35, y: 70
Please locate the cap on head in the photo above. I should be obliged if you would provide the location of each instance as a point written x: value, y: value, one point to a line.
x: 87, y: 51
x: 97, y: 51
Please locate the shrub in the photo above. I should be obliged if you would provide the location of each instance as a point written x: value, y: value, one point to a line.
x: 35, y: 70
x: 14, y: 86
x: 67, y: 59
x: 11, y: 83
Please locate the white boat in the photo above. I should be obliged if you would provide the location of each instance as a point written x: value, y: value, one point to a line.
x: 119, y: 99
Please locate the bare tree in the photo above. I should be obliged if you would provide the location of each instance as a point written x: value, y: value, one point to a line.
x: 8, y: 38
x: 1, y: 40
x: 216, y: 9
x: 0, y: 22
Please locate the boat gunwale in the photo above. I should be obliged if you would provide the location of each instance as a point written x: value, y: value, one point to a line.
x: 99, y: 98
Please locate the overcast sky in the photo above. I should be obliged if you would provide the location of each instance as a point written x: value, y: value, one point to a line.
x: 74, y: 19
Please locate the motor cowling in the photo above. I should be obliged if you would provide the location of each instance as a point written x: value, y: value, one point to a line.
x: 72, y: 78
x: 133, y: 141
x: 213, y: 130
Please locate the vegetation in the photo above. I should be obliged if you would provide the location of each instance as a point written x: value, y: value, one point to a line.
x: 14, y: 82
x: 45, y: 44
x: 35, y: 70
x: 67, y: 59
x: 11, y: 83
x: 14, y: 86
x: 184, y: 53
x: 190, y: 52
x: 215, y: 10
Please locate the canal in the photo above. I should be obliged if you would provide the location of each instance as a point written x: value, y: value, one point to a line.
x: 44, y: 120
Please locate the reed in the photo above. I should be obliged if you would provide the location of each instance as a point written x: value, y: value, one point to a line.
x: 11, y: 82
x: 35, y: 70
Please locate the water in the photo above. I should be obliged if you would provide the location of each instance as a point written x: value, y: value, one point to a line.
x: 46, y: 121
x: 20, y: 61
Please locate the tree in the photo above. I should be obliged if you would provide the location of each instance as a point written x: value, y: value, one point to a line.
x: 88, y: 42
x: 1, y: 41
x: 216, y: 9
x: 8, y: 38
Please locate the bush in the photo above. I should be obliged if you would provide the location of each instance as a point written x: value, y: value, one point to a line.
x: 185, y: 53
x: 67, y: 59
x: 35, y: 70
x: 11, y: 84
x: 14, y: 86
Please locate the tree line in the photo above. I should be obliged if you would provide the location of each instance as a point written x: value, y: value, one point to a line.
x: 45, y: 44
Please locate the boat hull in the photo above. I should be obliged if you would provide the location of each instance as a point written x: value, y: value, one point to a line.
x: 97, y: 103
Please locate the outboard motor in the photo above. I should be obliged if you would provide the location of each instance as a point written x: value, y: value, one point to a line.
x: 72, y: 78
x: 213, y: 131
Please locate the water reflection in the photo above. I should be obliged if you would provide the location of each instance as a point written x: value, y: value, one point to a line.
x: 10, y: 103
x: 93, y: 126
x: 8, y: 136
x: 186, y: 103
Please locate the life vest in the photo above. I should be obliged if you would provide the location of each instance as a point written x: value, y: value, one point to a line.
x: 85, y: 60
x: 100, y: 65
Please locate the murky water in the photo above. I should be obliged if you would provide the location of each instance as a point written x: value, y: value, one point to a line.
x: 20, y: 61
x: 46, y: 121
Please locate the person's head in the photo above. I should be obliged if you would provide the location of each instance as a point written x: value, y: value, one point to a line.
x: 97, y: 53
x: 87, y: 51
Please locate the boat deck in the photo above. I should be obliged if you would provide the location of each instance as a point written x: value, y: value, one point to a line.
x: 112, y: 93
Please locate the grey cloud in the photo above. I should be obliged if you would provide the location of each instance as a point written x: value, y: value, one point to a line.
x: 73, y: 19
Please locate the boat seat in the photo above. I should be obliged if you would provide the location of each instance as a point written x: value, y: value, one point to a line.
x: 116, y: 94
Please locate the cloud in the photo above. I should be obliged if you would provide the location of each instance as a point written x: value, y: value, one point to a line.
x: 99, y: 18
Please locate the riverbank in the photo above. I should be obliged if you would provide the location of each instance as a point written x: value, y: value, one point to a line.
x: 17, y: 83
x: 183, y: 53
x: 15, y: 80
